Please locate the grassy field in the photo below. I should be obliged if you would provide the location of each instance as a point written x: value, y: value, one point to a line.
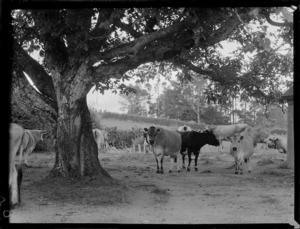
x: 137, y: 194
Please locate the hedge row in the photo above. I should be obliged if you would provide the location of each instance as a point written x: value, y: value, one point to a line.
x: 278, y: 131
x: 123, y: 138
x: 156, y: 121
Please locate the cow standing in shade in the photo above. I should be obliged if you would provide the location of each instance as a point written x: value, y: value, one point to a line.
x: 16, y: 135
x: 222, y: 132
x: 164, y: 143
x: 30, y: 140
x: 193, y: 141
x: 242, y: 148
x: 100, y: 137
x: 277, y: 142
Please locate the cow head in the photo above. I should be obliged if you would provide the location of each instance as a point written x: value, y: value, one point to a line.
x: 43, y: 132
x: 212, y: 140
x: 272, y: 142
x: 150, y: 134
x: 236, y: 150
x: 235, y: 142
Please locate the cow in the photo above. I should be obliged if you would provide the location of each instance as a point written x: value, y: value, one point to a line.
x: 241, y: 148
x: 163, y: 143
x: 193, y: 141
x: 184, y: 128
x: 16, y: 136
x: 222, y: 132
x: 30, y: 140
x: 100, y: 137
x: 277, y: 142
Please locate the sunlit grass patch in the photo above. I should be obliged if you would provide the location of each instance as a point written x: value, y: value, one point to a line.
x: 137, y: 157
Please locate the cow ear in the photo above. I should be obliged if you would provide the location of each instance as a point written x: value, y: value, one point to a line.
x: 158, y: 130
x: 146, y: 129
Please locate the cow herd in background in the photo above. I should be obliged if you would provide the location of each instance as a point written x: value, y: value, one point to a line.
x: 242, y: 137
x: 162, y: 142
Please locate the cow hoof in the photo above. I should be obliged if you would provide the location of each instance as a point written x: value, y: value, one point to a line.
x: 249, y: 171
x: 188, y: 169
x: 196, y: 169
x: 236, y: 172
x: 157, y: 171
x: 161, y: 171
x: 170, y: 171
x: 178, y: 171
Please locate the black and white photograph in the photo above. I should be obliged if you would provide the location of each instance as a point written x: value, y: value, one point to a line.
x: 152, y: 115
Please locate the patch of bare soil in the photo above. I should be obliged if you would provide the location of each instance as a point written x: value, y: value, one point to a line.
x: 214, y: 194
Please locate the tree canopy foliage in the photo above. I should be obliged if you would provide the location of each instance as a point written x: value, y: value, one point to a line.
x: 86, y: 47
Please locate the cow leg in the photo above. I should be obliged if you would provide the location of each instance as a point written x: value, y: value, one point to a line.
x: 196, y: 159
x: 183, y: 164
x: 13, y: 188
x: 161, y: 164
x: 177, y: 163
x: 172, y: 165
x: 26, y: 155
x: 220, y: 148
x: 240, y: 167
x: 236, y: 167
x: 19, y: 179
x: 157, y: 168
x: 248, y: 162
x: 190, y: 159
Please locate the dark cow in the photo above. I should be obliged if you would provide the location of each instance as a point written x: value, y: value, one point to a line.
x: 163, y: 143
x: 193, y: 141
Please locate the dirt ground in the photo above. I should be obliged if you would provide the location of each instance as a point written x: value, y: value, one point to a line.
x: 214, y: 194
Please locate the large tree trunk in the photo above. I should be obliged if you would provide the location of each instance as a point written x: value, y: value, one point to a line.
x: 77, y: 153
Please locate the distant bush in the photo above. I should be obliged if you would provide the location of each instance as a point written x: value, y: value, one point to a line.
x: 259, y: 135
x: 278, y: 131
x: 122, y: 138
x: 156, y: 121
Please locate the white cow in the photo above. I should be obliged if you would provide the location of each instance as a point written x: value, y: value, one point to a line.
x: 277, y: 142
x: 30, y: 140
x: 184, y: 128
x: 222, y: 132
x: 242, y: 148
x: 16, y: 135
x: 100, y: 137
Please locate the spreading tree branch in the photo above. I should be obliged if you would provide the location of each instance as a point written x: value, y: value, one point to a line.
x: 274, y: 23
x: 132, y: 48
x: 37, y: 73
